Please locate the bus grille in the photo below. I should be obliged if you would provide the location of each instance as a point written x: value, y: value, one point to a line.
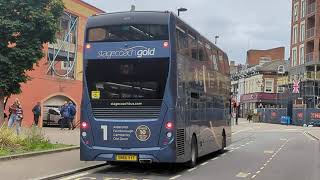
x: 180, y: 142
x: 127, y: 113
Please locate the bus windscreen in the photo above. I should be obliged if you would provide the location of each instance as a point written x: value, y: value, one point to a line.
x: 120, y: 33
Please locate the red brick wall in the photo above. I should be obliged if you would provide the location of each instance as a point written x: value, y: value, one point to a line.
x: 253, y: 56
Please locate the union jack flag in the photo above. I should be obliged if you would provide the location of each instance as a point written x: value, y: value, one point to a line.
x: 296, y: 86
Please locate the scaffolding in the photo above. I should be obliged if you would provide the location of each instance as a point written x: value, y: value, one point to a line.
x: 65, y: 49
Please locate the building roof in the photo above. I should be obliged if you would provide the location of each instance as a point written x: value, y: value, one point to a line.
x: 272, y: 66
x: 89, y: 6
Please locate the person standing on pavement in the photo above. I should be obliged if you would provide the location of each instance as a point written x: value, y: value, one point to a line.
x: 16, y: 116
x: 65, y: 115
x: 72, y: 111
x: 36, y: 113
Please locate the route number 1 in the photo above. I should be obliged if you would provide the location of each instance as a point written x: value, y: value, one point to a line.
x: 105, y: 132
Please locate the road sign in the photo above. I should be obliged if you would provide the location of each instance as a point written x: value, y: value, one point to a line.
x: 296, y: 86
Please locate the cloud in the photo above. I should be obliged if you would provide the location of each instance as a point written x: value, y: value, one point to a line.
x: 241, y: 24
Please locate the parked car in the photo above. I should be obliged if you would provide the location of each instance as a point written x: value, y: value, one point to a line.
x: 52, y: 116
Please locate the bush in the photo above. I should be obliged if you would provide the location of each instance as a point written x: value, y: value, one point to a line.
x: 33, y: 139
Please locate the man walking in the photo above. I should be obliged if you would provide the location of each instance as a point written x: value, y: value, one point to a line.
x: 36, y: 113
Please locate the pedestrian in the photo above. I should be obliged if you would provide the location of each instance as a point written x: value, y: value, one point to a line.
x: 36, y: 113
x: 249, y: 116
x: 65, y: 115
x: 16, y: 115
x: 72, y: 111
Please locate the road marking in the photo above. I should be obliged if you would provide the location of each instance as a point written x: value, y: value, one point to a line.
x: 265, y: 164
x: 253, y: 176
x: 215, y: 158
x: 268, y: 161
x: 231, y: 151
x: 204, y: 163
x: 237, y: 148
x: 242, y: 175
x: 249, y: 173
x: 223, y: 155
x: 283, y: 139
x: 308, y: 136
x: 243, y: 145
x: 261, y: 168
x: 268, y: 152
x: 192, y: 169
x: 247, y: 143
x: 258, y: 172
x: 75, y: 176
x: 175, y: 177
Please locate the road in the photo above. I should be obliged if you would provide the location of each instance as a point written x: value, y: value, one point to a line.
x: 258, y: 151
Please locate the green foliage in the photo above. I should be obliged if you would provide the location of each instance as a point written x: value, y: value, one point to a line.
x: 25, y: 25
x: 32, y: 139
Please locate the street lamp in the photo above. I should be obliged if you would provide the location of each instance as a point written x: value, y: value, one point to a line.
x: 216, y: 39
x: 181, y: 10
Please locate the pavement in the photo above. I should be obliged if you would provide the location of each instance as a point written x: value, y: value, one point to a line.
x: 55, y: 135
x: 258, y: 151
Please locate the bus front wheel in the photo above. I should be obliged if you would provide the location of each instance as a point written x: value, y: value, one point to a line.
x: 194, y: 153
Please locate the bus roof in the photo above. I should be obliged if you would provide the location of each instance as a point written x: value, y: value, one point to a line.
x: 139, y: 17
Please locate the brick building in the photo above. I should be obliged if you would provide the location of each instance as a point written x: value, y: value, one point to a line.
x: 58, y: 76
x: 304, y: 51
x: 255, y: 57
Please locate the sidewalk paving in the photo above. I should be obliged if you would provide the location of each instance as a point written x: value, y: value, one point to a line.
x: 55, y: 135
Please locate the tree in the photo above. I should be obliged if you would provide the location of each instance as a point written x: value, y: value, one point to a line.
x: 25, y: 26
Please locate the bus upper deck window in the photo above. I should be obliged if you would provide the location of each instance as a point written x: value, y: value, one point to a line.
x: 97, y: 34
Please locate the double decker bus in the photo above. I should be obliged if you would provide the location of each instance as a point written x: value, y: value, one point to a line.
x: 154, y: 91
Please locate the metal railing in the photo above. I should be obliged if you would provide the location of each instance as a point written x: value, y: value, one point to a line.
x: 310, y: 33
x: 311, y: 8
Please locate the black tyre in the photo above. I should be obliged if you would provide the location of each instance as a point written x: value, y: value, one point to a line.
x: 224, y: 142
x: 194, y: 153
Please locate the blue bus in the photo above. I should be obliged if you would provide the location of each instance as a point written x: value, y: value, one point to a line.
x: 154, y: 91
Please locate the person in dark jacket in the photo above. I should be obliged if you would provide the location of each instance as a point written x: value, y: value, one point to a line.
x: 65, y: 115
x: 36, y: 113
x: 72, y: 112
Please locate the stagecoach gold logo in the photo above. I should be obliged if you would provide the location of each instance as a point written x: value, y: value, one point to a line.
x: 137, y: 51
x: 143, y: 133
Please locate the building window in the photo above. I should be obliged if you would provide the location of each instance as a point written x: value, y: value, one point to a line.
x: 295, y: 11
x: 302, y: 55
x: 295, y: 34
x: 294, y: 57
x: 268, y: 86
x: 303, y: 8
x: 302, y: 31
x: 66, y: 65
x: 280, y: 90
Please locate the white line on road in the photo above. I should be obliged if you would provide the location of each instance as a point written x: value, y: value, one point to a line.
x: 265, y: 164
x: 242, y: 175
x: 223, y: 154
x: 215, y: 158
x: 75, y: 176
x: 242, y: 145
x: 175, y: 177
x: 231, y: 151
x: 192, y: 169
x: 204, y: 163
x: 236, y: 148
x: 258, y: 172
x: 253, y: 176
x: 261, y: 168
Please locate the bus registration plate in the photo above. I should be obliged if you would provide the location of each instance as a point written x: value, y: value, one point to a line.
x: 126, y: 158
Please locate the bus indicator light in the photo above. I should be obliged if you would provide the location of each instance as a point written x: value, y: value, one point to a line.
x: 166, y: 44
x: 169, y: 125
x: 88, y: 46
x: 84, y: 125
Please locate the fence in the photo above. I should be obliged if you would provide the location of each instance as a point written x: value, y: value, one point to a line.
x: 299, y: 116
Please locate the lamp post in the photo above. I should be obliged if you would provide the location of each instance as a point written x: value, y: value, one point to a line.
x: 181, y: 10
x: 216, y: 39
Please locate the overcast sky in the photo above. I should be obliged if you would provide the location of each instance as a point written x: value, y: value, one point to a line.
x: 241, y: 24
